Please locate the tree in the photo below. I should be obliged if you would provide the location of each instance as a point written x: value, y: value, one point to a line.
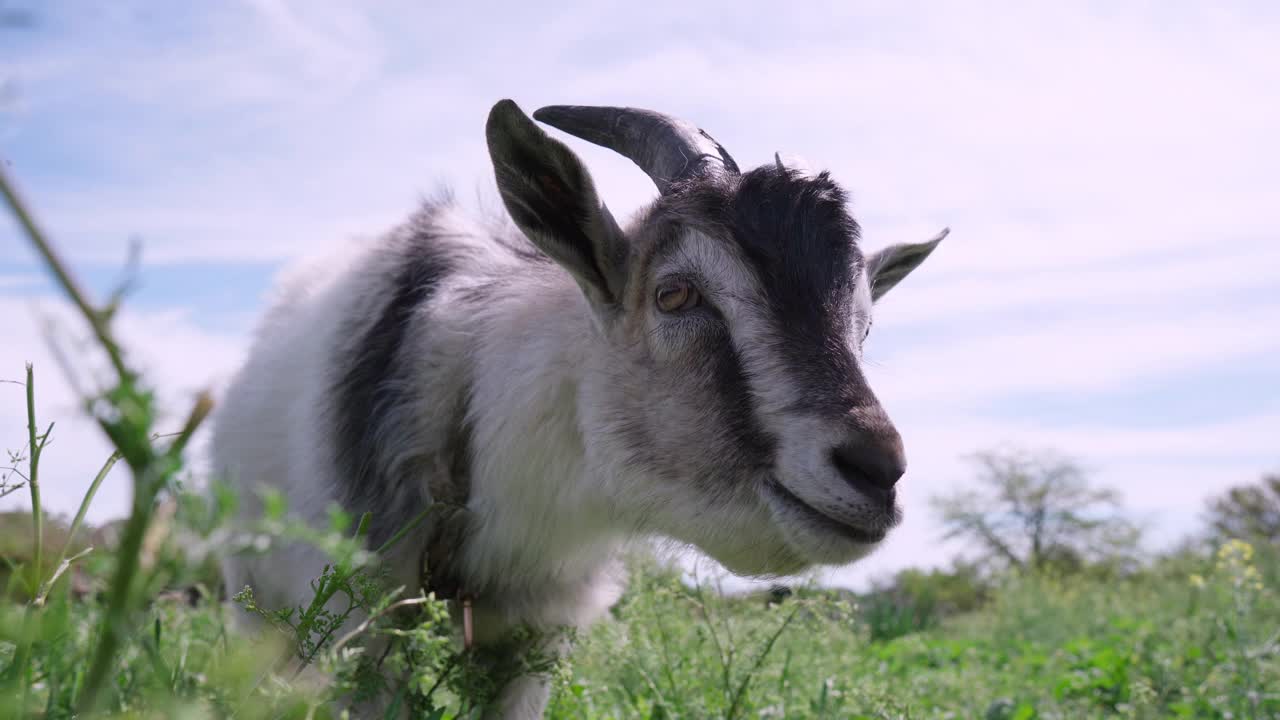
x: 1248, y: 512
x: 1038, y: 510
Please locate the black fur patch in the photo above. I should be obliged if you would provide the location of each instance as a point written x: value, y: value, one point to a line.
x: 797, y: 233
x: 374, y: 383
x: 749, y: 435
x: 799, y: 237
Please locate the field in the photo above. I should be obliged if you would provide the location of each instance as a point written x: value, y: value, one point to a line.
x: 1186, y: 638
x: 1152, y: 646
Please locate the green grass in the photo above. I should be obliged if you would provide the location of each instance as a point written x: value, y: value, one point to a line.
x: 1152, y: 646
x: 1158, y: 645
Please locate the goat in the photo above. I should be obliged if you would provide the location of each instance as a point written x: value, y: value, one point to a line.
x: 695, y: 376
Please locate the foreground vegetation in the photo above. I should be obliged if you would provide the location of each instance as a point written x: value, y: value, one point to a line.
x: 1190, y: 637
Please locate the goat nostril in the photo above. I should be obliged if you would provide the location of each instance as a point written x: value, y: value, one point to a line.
x: 868, y: 468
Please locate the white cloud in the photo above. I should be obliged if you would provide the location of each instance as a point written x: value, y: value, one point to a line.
x: 1157, y: 286
x: 1100, y: 351
x: 1122, y: 135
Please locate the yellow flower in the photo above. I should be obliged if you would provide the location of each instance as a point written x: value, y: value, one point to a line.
x: 1235, y: 551
x: 1196, y: 581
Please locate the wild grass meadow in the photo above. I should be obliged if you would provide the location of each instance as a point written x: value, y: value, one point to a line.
x: 130, y: 621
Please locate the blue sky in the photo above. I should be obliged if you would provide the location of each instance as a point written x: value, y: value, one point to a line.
x: 1110, y: 288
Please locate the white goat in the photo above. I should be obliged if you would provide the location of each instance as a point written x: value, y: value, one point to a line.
x: 694, y: 376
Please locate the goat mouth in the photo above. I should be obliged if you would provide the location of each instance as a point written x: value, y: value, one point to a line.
x: 816, y: 517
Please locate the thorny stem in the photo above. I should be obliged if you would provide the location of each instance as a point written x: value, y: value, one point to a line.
x: 97, y: 321
x: 149, y: 467
x: 115, y: 621
x: 35, y: 444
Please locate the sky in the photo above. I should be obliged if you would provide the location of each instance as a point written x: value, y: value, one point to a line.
x: 1110, y: 289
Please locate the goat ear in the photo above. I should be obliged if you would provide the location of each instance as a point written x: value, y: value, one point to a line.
x: 551, y: 197
x: 887, y: 267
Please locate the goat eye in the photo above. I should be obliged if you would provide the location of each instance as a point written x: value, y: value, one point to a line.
x: 677, y: 295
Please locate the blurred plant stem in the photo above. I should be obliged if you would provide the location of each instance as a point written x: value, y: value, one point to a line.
x: 126, y: 414
x: 35, y: 443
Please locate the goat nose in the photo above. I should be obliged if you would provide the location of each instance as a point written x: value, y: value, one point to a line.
x: 871, y: 466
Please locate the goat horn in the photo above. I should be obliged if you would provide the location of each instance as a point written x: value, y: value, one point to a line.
x: 667, y: 149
